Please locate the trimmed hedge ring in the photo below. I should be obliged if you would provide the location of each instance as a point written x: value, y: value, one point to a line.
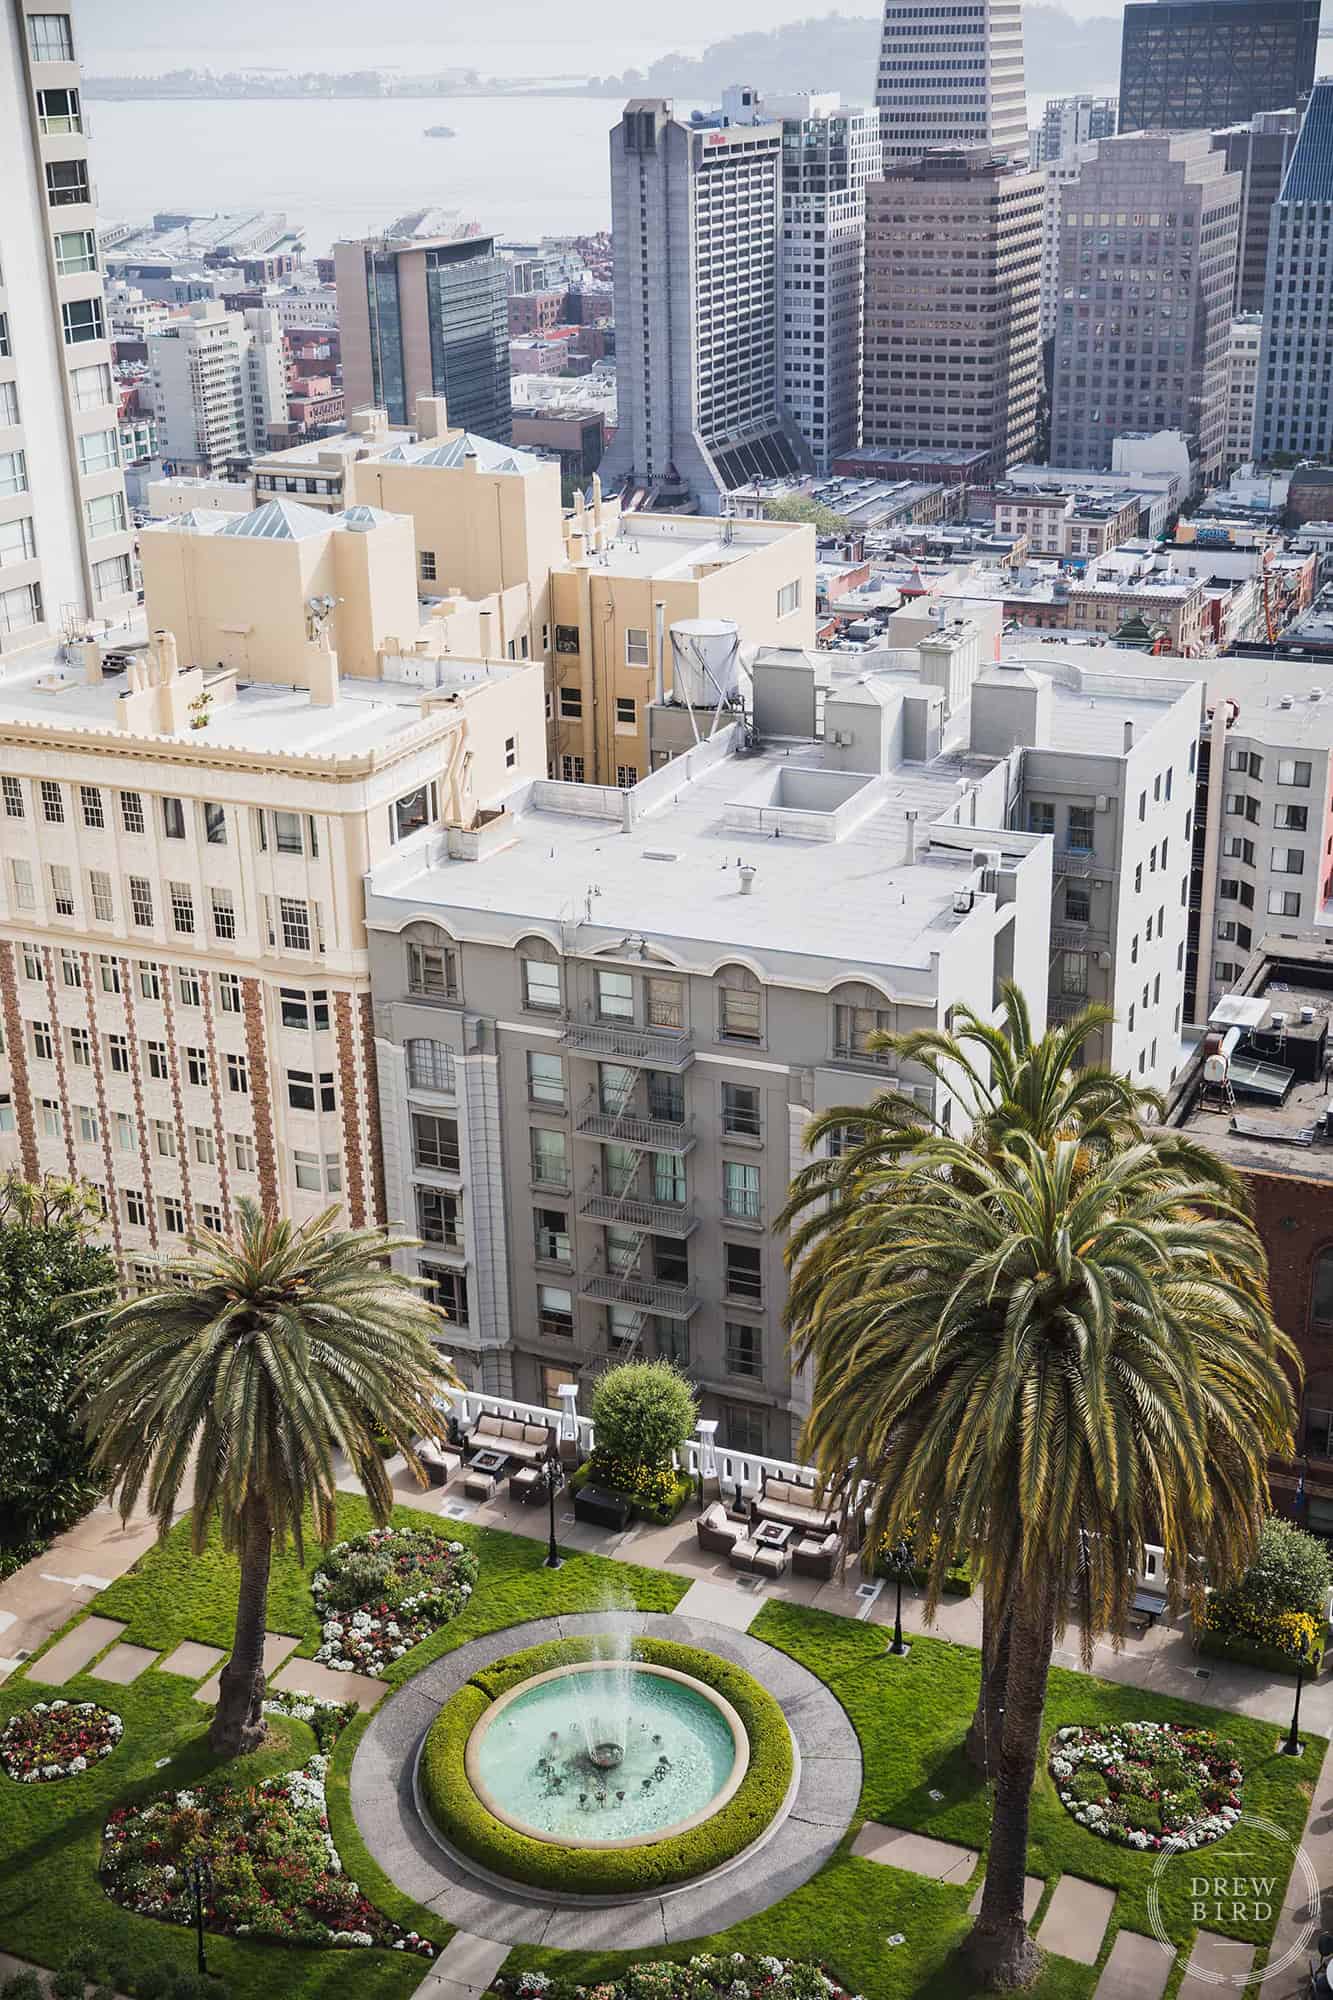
x: 465, y: 1823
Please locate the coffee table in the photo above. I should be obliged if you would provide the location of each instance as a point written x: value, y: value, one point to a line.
x: 493, y: 1462
x: 772, y: 1534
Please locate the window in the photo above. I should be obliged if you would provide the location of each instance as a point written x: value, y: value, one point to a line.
x: 1292, y: 771
x: 118, y: 1053
x: 149, y: 984
x: 740, y: 1110
x: 155, y: 1060
x: 243, y: 1152
x: 42, y: 1048
x: 740, y: 1190
x: 1284, y: 903
x: 432, y: 971
x: 435, y: 1143
x: 6, y: 344
x: 627, y: 777
x: 76, y: 250
x: 541, y: 986
x: 304, y: 1095
x: 1079, y: 830
x: 744, y: 1349
x: 224, y: 913
x: 82, y: 321
x: 9, y: 415
x: 294, y: 917
x: 551, y: 1235
x: 636, y: 645
x: 108, y: 973
x: 407, y: 815
x: 189, y: 988
x: 546, y: 1078
x: 1288, y: 861
x: 627, y: 712
x: 1292, y: 819
x: 743, y: 1271
x: 430, y: 1065
x: 99, y: 451
x: 853, y: 1028
x: 447, y: 1290
x: 789, y: 598
x: 571, y: 770
x: 1074, y: 973
x: 21, y: 608
x: 203, y: 1146
x: 12, y: 792
x: 90, y: 804
x: 126, y: 1138
x: 18, y: 543
x: 316, y: 1174
x: 300, y: 1009
x: 173, y: 1215
x: 615, y: 996
x: 741, y: 1015
x: 1321, y: 1294
x: 744, y: 1428
x: 439, y: 1217
x: 665, y: 1002
x: 238, y: 1074
x: 669, y: 1179
x: 550, y: 1163
x: 211, y: 1217
x: 229, y: 992
x: 92, y: 386
x: 62, y: 891
x: 196, y: 1067
x: 131, y: 812
x: 81, y: 1048
x: 426, y: 561
x: 1237, y: 848
x: 13, y: 474
x: 511, y: 752
x: 571, y: 704
x: 49, y: 38
x: 105, y: 515
x: 89, y: 1130
x: 182, y: 906
x: 66, y: 183
x: 71, y: 969
x: 164, y: 1138
x: 25, y: 896
x: 136, y: 1208
x: 215, y: 824
x: 555, y: 1312
x: 173, y: 819
x: 53, y: 803
x: 34, y: 966
x: 1078, y: 903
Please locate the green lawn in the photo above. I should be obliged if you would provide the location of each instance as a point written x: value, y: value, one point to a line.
x: 909, y: 1715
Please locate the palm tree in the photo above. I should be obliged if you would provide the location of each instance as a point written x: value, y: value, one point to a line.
x: 258, y: 1359
x: 1062, y: 1352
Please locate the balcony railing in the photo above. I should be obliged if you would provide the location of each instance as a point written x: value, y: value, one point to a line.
x: 1078, y: 937
x: 656, y: 1048
x: 611, y: 1288
x: 628, y: 1128
x: 661, y: 1218
x: 1065, y: 1005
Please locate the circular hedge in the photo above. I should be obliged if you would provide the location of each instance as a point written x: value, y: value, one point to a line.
x: 467, y: 1825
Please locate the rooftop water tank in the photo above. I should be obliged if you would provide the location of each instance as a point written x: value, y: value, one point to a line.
x: 705, y: 661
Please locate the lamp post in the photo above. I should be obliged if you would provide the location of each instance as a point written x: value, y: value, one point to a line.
x: 552, y: 1473
x: 900, y: 1560
x: 1292, y: 1746
x: 201, y: 1876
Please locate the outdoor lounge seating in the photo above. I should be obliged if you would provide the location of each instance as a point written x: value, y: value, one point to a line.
x: 816, y: 1556
x: 748, y: 1554
x: 717, y: 1533
x: 796, y: 1507
x: 529, y: 1442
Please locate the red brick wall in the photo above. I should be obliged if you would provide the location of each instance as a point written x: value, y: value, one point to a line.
x: 18, y: 1063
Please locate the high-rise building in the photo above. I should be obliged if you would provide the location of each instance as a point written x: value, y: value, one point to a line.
x: 1069, y: 122
x: 951, y: 76
x: 1056, y: 176
x: 65, y: 543
x: 696, y: 222
x: 953, y: 278
x: 1259, y: 151
x: 426, y: 316
x: 1162, y: 204
x: 829, y: 152
x: 1243, y: 347
x: 219, y: 385
x: 1292, y: 406
x: 1191, y: 65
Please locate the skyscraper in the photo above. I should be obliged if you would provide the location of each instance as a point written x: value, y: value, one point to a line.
x: 1190, y: 65
x: 1259, y: 151
x: 696, y: 213
x: 426, y: 316
x: 65, y: 542
x: 829, y: 152
x: 952, y: 76
x: 1292, y: 404
x: 952, y: 346
x: 1147, y: 352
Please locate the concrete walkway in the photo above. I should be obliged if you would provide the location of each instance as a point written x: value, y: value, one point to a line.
x: 38, y: 1599
x: 1305, y: 1914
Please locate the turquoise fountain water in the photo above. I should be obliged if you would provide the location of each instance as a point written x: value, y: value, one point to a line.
x: 608, y: 1752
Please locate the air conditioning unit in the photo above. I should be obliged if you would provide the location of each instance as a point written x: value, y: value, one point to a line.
x: 1103, y: 802
x: 1104, y: 960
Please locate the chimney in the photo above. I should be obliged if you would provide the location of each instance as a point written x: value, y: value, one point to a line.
x: 576, y: 540
x: 322, y: 673
x: 910, y: 815
x: 747, y: 872
x: 165, y: 644
x: 1129, y: 737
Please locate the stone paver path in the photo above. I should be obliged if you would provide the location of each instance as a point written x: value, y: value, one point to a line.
x: 70, y: 1655
x: 1224, y: 1956
x: 123, y: 1664
x: 1075, y: 1923
x: 191, y: 1660
x: 721, y: 1604
x: 939, y: 1859
x: 306, y: 1677
x: 464, y: 1969
x: 1032, y: 1893
x: 277, y: 1645
x: 1137, y: 1969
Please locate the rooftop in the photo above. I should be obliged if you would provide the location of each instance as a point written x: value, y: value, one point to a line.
x: 664, y: 546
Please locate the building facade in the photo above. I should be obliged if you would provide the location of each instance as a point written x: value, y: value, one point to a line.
x: 953, y: 340
x: 426, y: 317
x: 1191, y: 65
x: 1056, y: 176
x: 1242, y: 388
x: 1070, y: 122
x: 219, y: 386
x: 696, y: 224
x: 951, y: 76
x: 66, y: 554
x: 1166, y: 207
x: 1260, y: 152
x: 1292, y: 411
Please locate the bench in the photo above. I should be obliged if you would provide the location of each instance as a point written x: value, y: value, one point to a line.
x: 529, y: 1442
x: 795, y: 1506
x: 1146, y: 1609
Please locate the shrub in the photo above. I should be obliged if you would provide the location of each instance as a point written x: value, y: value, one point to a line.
x: 68, y: 1983
x: 104, y: 1993
x: 22, y: 1986
x: 381, y: 1593
x: 85, y: 1957
x: 120, y: 1975
x: 154, y: 1982
x: 642, y: 1411
x: 1235, y: 1633
x: 708, y: 1976
x: 657, y: 1495
x: 462, y: 1818
x: 1291, y: 1571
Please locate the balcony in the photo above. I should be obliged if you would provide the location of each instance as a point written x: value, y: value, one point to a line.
x: 656, y: 1048
x: 1073, y: 860
x: 627, y: 1128
x: 662, y: 1218
x: 611, y: 1288
x: 1079, y: 937
x: 1063, y: 1006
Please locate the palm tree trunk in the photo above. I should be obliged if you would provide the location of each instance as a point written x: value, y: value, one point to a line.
x: 981, y: 1746
x: 999, y: 1948
x: 238, y: 1719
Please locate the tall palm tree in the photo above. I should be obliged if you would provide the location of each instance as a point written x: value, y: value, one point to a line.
x: 259, y: 1359
x: 1061, y: 1352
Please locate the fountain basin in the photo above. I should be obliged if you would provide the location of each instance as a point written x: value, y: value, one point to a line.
x: 543, y: 1762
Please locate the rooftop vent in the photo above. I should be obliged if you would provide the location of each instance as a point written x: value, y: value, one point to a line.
x: 659, y: 854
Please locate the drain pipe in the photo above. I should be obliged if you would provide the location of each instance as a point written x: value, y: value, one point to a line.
x: 659, y: 627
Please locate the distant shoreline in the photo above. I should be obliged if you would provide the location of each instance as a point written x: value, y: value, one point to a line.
x: 202, y: 90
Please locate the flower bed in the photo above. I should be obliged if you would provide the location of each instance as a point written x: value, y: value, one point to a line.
x: 383, y: 1592
x: 1232, y: 1628
x: 733, y: 1975
x: 1147, y: 1784
x: 275, y: 1872
x: 57, y: 1739
x: 327, y: 1719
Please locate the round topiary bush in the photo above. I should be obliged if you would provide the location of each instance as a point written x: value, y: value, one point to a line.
x: 643, y: 1412
x: 465, y: 1823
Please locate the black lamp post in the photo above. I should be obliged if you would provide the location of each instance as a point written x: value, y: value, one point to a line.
x: 201, y: 1875
x: 1292, y: 1746
x: 552, y: 1473
x: 900, y: 1559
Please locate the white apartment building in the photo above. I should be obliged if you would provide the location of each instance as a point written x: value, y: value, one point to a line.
x: 696, y: 221
x: 951, y: 76
x: 1069, y: 122
x: 219, y: 385
x: 829, y: 152
x: 1247, y: 332
x: 65, y: 544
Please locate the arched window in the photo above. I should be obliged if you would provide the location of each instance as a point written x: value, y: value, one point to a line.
x: 1321, y: 1291
x: 858, y: 1013
x: 430, y: 1065
x: 432, y: 963
x: 740, y: 1013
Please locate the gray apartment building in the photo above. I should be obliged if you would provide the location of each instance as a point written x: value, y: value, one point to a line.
x: 1149, y: 238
